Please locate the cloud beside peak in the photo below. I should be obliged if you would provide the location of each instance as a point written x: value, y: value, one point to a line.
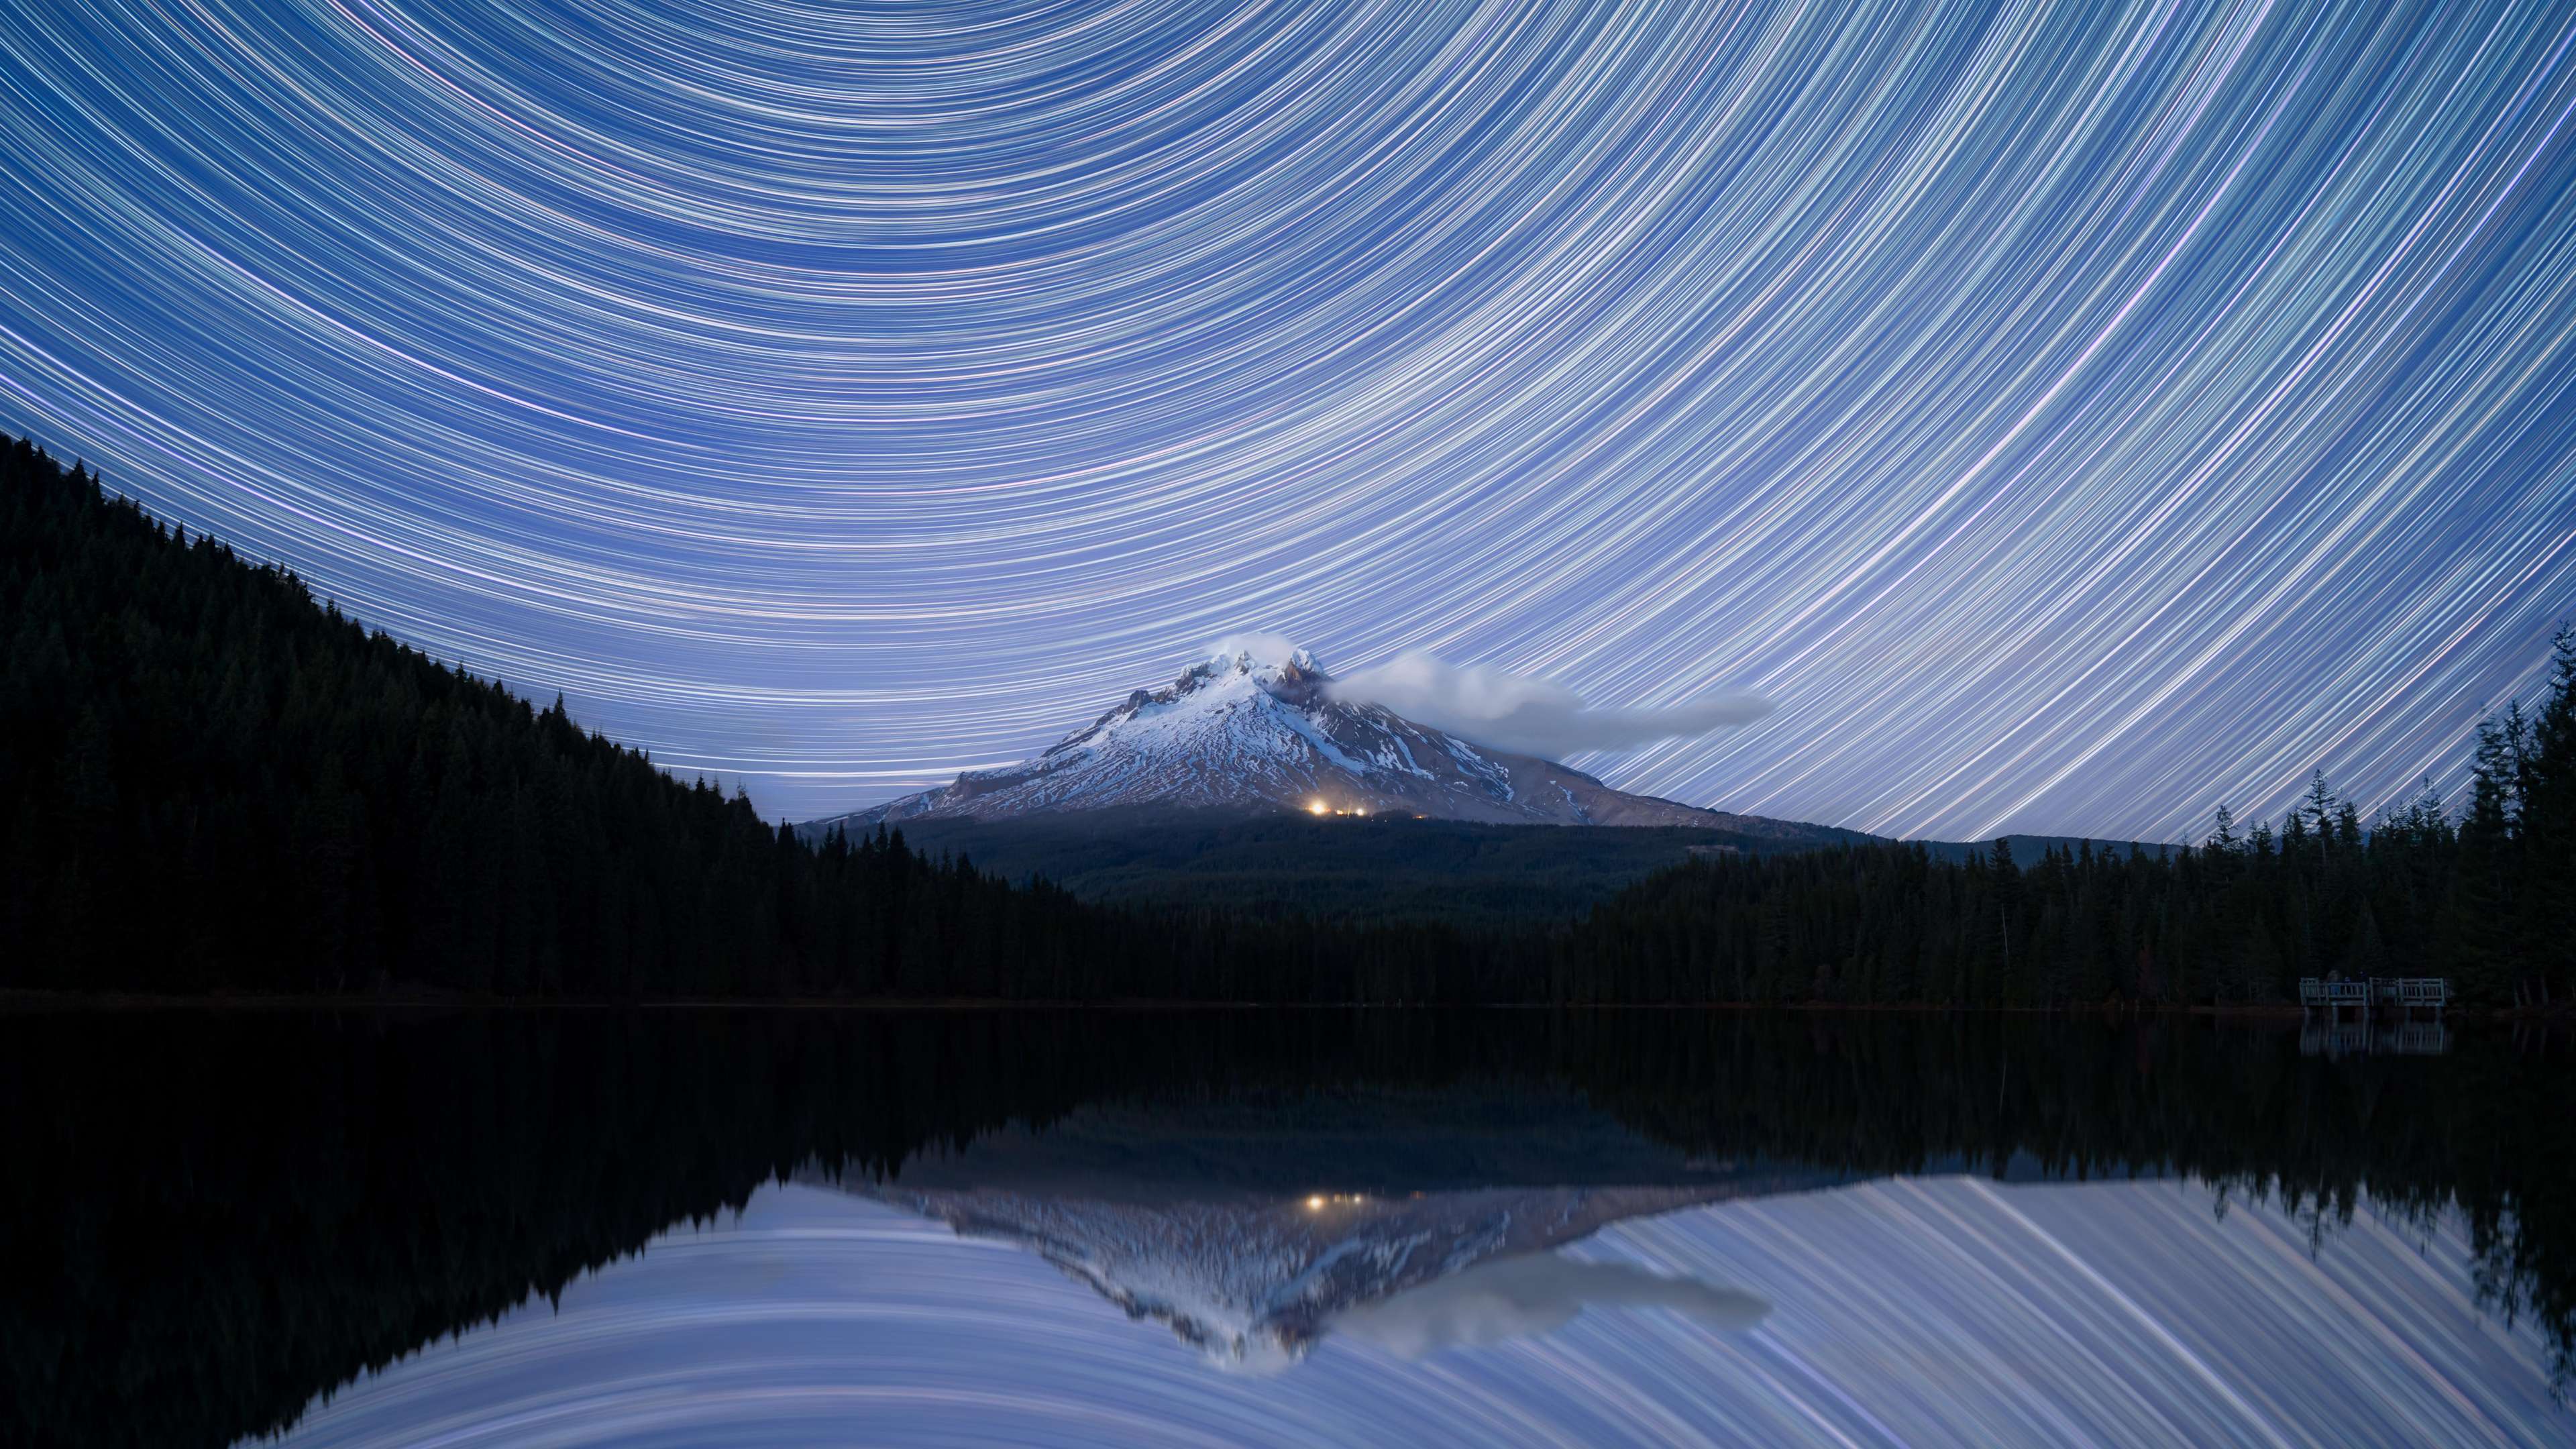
x: 1501, y: 1300
x: 1531, y: 716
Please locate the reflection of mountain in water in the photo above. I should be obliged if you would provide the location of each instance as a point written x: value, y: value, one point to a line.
x: 1419, y: 1217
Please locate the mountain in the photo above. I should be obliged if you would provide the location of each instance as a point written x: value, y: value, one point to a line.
x: 1246, y: 734
x: 1254, y: 1225
x: 1255, y: 1285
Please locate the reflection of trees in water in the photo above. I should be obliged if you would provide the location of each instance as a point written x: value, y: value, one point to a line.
x: 2476, y: 1131
x: 211, y: 1217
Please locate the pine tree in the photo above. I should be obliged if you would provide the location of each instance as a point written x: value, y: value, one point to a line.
x: 2320, y: 806
x: 2545, y: 779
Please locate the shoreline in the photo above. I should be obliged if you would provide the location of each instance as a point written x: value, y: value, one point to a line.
x: 31, y: 1001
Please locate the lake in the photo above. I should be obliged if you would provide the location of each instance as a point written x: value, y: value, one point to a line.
x: 803, y: 1226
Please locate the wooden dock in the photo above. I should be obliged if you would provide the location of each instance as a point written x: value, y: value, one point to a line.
x: 2402, y: 995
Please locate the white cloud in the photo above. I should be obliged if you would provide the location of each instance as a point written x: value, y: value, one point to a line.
x: 1525, y: 1297
x: 1531, y: 716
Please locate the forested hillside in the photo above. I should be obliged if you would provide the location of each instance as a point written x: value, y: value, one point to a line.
x: 213, y: 782
x: 2487, y: 898
x: 1341, y: 868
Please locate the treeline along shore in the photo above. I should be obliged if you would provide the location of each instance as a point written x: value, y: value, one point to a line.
x: 215, y: 782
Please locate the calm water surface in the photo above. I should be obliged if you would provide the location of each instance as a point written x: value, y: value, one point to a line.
x: 802, y: 1227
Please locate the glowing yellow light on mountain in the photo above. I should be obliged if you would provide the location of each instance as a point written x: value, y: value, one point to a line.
x: 1317, y: 807
x: 1315, y: 1203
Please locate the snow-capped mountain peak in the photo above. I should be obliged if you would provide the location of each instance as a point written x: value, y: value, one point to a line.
x: 1253, y: 727
x: 1267, y: 655
x: 1254, y: 1222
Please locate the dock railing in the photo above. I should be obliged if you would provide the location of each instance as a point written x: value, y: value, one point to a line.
x: 2421, y: 991
x: 2402, y: 994
x: 2331, y: 997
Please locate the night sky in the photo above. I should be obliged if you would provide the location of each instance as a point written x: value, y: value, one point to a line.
x: 2073, y: 416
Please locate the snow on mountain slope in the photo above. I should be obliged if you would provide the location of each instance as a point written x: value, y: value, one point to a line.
x: 1256, y: 731
x: 1253, y: 1285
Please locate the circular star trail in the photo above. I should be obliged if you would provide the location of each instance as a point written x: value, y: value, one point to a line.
x: 2075, y: 416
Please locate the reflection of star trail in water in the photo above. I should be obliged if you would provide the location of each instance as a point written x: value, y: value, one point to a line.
x: 1939, y: 1312
x: 2068, y: 411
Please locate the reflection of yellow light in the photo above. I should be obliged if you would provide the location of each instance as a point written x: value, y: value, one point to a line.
x: 1315, y: 1203
x: 1315, y: 806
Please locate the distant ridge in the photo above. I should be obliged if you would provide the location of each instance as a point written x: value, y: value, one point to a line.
x: 2027, y: 849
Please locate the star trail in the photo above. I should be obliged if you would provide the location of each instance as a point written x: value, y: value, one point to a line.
x: 2071, y: 416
